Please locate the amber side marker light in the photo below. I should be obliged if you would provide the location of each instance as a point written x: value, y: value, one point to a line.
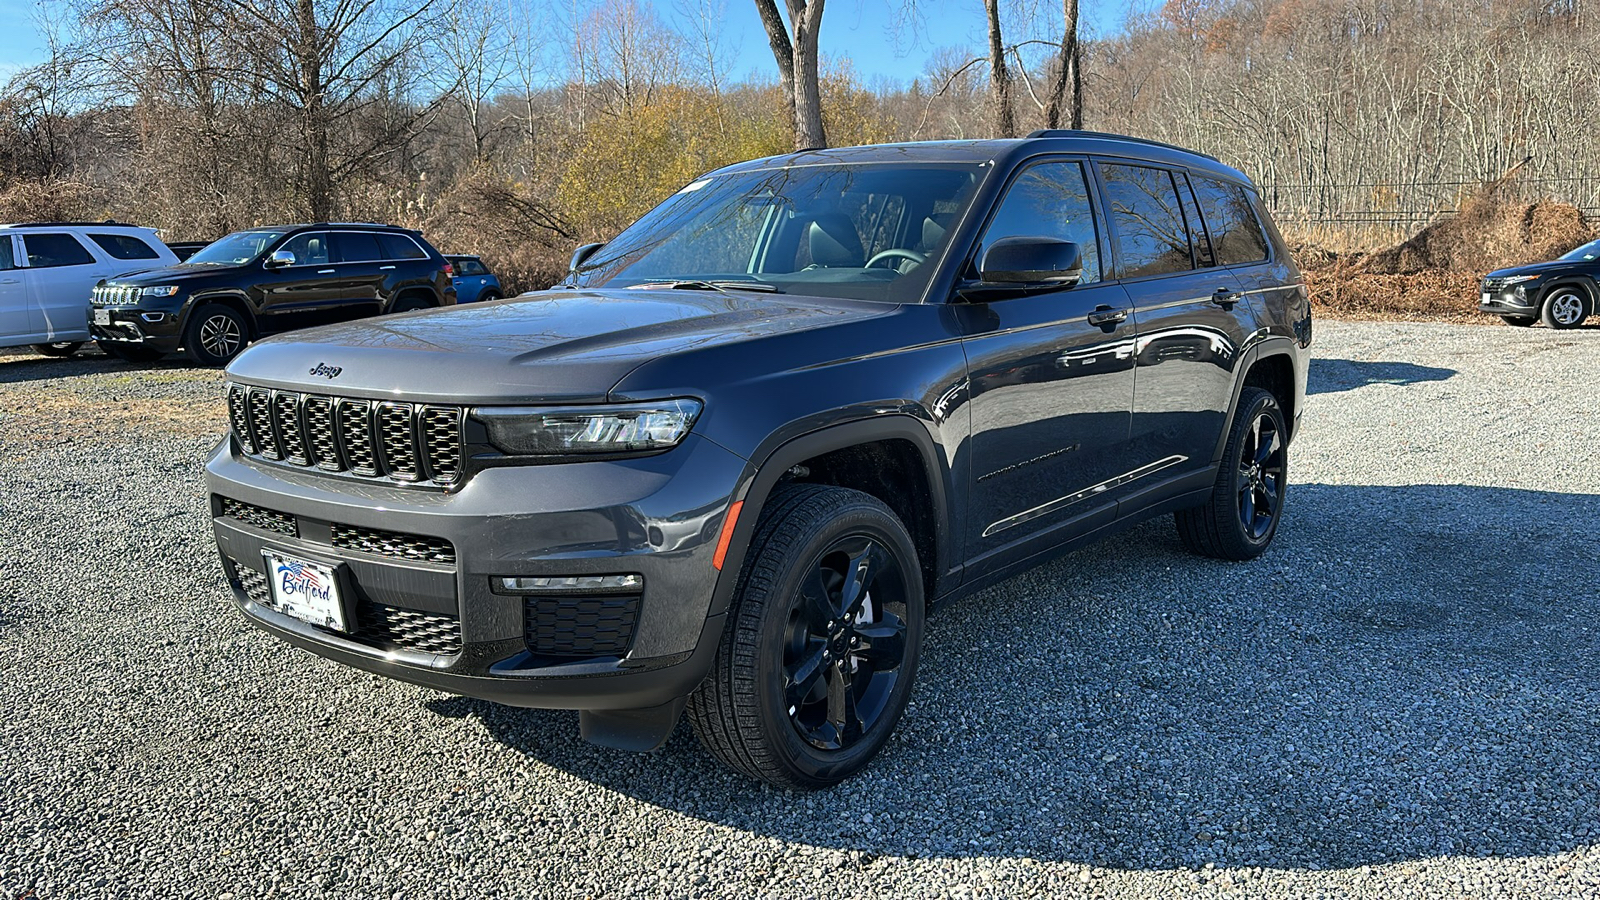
x: 727, y: 534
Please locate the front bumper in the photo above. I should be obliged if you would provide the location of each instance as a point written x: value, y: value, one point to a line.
x: 1505, y: 302
x: 154, y: 328
x: 418, y: 569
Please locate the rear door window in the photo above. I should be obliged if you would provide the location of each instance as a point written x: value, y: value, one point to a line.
x: 472, y: 267
x: 1152, y: 234
x: 8, y: 259
x: 357, y: 246
x: 124, y: 246
x: 1049, y: 199
x: 398, y: 246
x: 1235, y: 232
x: 47, y: 251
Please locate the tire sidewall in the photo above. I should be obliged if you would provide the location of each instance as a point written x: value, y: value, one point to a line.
x: 1264, y: 402
x: 806, y: 761
x: 1585, y: 304
x: 197, y: 319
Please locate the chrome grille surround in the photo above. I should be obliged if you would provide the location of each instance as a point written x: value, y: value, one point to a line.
x: 393, y: 441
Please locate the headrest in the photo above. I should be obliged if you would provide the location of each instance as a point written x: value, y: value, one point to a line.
x: 933, y: 229
x: 834, y: 242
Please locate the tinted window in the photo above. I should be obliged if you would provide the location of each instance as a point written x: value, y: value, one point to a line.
x: 357, y: 246
x: 122, y: 246
x: 1049, y: 200
x: 1143, y: 206
x: 49, y: 250
x: 235, y: 249
x: 1197, y: 230
x: 7, y: 258
x: 398, y: 246
x: 1235, y: 233
x: 472, y: 267
x: 309, y: 249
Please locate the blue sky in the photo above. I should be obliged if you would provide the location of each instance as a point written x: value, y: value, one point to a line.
x: 875, y: 34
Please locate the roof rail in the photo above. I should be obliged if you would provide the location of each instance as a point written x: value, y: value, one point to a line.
x: 70, y: 224
x: 361, y: 224
x: 1109, y: 136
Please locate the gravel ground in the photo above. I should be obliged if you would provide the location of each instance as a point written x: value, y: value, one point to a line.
x: 1400, y: 698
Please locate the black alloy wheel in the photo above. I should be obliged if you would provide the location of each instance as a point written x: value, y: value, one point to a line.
x: 845, y: 643
x: 818, y: 657
x: 1240, y: 518
x: 215, y: 334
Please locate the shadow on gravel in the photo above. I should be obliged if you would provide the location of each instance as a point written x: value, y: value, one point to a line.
x: 1330, y: 376
x: 20, y: 368
x: 1411, y: 672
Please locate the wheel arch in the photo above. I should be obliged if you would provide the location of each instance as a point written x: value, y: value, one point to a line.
x: 892, y: 458
x: 1582, y: 281
x: 237, y: 302
x: 1273, y: 366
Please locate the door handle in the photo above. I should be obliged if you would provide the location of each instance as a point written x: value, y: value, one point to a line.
x: 11, y: 281
x: 1104, y: 315
x: 1224, y: 298
x: 385, y: 268
x: 325, y: 271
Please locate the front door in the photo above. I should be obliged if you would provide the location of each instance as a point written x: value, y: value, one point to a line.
x: 307, y: 292
x: 16, y: 313
x: 1051, y: 393
x: 1193, y: 318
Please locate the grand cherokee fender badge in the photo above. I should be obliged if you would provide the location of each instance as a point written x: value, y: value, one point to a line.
x: 326, y: 370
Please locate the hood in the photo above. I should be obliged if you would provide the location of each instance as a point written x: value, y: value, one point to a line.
x: 560, y: 346
x: 1542, y: 268
x: 181, y: 273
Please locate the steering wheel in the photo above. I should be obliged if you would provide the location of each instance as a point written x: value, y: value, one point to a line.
x: 915, y: 258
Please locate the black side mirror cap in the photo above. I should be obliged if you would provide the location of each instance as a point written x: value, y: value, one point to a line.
x: 581, y: 254
x: 1032, y: 260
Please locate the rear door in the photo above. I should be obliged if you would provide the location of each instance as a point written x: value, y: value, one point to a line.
x: 1051, y: 392
x: 1191, y: 322
x: 18, y: 318
x: 364, y: 269
x: 61, y: 275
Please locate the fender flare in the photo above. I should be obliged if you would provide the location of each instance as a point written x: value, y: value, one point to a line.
x: 758, y: 481
x: 1275, y: 345
x: 231, y: 298
x: 1583, y: 281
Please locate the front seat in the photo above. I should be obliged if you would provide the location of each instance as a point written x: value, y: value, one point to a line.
x: 834, y: 242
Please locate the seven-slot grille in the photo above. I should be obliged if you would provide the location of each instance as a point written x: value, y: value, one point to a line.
x: 399, y: 441
x: 107, y: 294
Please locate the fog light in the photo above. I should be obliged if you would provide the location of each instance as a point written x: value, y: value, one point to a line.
x: 1521, y: 292
x: 153, y: 317
x: 571, y: 584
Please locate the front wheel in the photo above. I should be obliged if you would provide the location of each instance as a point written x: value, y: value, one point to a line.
x: 60, y: 350
x: 1241, y: 516
x: 215, y: 334
x: 1519, y: 321
x: 1566, y: 307
x: 817, y: 660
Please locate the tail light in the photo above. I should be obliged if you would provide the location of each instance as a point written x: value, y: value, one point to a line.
x: 449, y: 269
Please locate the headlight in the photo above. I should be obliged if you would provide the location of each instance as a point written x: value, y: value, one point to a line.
x: 166, y: 290
x: 598, y: 430
x: 1517, y: 279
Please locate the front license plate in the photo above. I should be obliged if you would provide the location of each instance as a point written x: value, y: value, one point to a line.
x: 102, y: 317
x: 305, y: 590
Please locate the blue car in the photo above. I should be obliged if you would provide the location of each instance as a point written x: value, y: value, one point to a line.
x: 474, y: 281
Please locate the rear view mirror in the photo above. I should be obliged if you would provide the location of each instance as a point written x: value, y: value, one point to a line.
x: 280, y: 258
x: 581, y: 254
x: 1032, y: 260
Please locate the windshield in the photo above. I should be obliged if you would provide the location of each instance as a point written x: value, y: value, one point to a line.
x: 1587, y: 253
x: 870, y: 231
x: 236, y: 249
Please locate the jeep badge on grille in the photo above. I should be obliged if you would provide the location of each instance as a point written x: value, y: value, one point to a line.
x: 326, y: 370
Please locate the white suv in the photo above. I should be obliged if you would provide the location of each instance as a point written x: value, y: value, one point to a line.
x: 48, y: 271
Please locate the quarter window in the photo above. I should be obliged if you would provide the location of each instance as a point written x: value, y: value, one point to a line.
x: 1235, y: 232
x: 1049, y: 200
x: 47, y: 251
x: 398, y: 246
x: 1152, y: 236
x: 122, y: 246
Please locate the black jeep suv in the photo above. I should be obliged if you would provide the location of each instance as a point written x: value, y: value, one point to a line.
x: 736, y: 459
x: 1561, y: 292
x: 264, y: 281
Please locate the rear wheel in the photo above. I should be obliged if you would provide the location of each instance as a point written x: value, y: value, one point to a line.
x: 134, y: 353
x: 215, y: 334
x: 60, y: 349
x: 1240, y: 518
x: 1566, y: 307
x: 489, y: 297
x: 411, y: 303
x: 1519, y: 321
x: 817, y: 660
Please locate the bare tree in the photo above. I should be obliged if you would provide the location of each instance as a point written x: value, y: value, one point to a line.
x: 796, y: 56
x: 1004, y: 122
x: 477, y: 54
x: 1069, y: 75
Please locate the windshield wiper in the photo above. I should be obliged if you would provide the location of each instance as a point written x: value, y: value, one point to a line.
x: 691, y: 284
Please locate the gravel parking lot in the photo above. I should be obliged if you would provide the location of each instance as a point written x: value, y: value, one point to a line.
x: 1399, y: 699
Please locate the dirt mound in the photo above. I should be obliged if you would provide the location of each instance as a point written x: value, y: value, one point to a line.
x: 1429, y: 296
x: 1492, y: 230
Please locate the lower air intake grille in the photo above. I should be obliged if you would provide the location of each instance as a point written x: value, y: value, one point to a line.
x: 257, y: 517
x: 580, y: 626
x: 393, y: 543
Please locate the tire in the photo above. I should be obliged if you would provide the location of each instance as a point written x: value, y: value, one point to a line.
x: 1567, y: 306
x: 216, y: 333
x: 1519, y: 321
x: 411, y: 303
x: 1241, y: 517
x: 133, y: 353
x: 808, y: 538
x: 488, y: 297
x: 60, y: 350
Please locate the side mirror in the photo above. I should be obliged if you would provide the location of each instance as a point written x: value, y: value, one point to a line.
x: 581, y: 254
x: 1032, y: 260
x: 280, y: 258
